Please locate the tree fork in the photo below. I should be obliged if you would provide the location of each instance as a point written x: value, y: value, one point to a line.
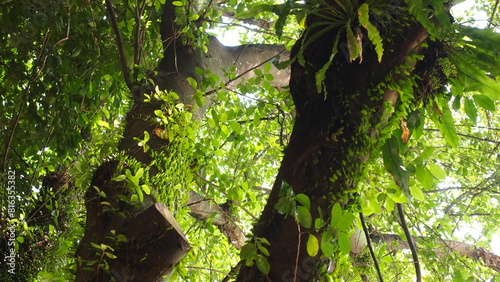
x: 329, y: 138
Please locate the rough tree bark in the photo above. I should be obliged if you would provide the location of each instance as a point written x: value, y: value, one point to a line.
x: 314, y: 155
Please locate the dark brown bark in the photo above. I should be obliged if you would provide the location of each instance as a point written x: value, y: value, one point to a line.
x: 313, y: 155
x: 150, y: 253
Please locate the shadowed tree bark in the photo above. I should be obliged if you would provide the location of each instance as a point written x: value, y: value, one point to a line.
x: 316, y: 163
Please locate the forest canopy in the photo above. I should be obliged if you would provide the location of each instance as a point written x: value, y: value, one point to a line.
x: 334, y: 140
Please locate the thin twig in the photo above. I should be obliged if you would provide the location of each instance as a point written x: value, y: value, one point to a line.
x: 409, y: 238
x: 119, y: 42
x: 245, y: 72
x: 252, y: 29
x: 19, y: 156
x: 298, y: 254
x: 225, y: 194
x: 207, y: 269
x: 11, y: 137
x: 490, y: 22
x: 370, y: 247
x: 467, y: 136
x: 53, y: 46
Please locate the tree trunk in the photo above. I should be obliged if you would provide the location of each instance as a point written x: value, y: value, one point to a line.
x: 152, y: 253
x: 334, y: 134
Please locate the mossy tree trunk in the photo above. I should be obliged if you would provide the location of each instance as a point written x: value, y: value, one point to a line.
x: 334, y: 134
x: 129, y: 260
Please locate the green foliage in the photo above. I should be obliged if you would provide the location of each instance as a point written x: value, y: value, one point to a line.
x: 394, y: 164
x: 256, y: 253
x: 312, y: 245
x: 63, y: 105
x: 373, y: 33
x: 342, y: 17
x: 420, y: 10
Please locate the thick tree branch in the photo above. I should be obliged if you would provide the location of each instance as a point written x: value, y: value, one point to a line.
x: 446, y: 247
x: 241, y: 60
x: 202, y: 209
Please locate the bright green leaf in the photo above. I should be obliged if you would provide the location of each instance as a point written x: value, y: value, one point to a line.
x: 336, y: 214
x: 264, y: 250
x: 312, y: 245
x: 103, y: 123
x: 373, y: 33
x: 120, y: 177
x: 248, y: 252
x: 159, y: 113
x: 192, y: 82
x: 327, y: 248
x: 394, y: 164
x: 437, y: 171
x: 484, y: 102
x: 262, y: 264
x: 304, y: 217
x: 417, y: 193
x: 303, y: 200
x: 389, y: 204
x: 110, y: 255
x: 446, y: 124
x: 345, y: 221
x: 344, y: 243
x: 470, y: 109
x: 139, y: 173
x: 320, y: 75
x: 146, y: 189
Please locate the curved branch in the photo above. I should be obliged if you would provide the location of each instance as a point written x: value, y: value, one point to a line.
x: 138, y: 36
x: 446, y: 247
x: 119, y: 42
